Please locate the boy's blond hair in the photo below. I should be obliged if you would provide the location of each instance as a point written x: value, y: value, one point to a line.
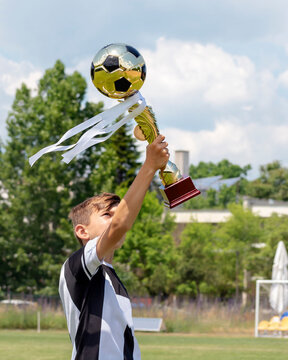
x: 81, y: 213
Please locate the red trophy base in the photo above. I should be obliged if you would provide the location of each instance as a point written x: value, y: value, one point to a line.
x: 175, y: 194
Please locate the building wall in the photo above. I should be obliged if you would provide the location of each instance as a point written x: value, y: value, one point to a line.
x: 202, y: 216
x: 218, y: 216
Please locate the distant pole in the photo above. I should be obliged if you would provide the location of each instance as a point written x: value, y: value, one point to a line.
x: 237, y: 276
x: 182, y: 161
x: 38, y: 322
x: 257, y: 300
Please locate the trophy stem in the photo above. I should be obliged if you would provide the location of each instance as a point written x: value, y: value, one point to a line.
x: 175, y: 189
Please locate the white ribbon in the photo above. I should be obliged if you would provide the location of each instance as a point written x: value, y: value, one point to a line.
x: 103, y: 125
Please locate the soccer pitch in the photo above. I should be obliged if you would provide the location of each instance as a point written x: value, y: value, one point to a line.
x: 55, y: 345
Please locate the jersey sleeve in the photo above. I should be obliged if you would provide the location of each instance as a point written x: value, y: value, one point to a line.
x: 89, y: 260
x: 84, y: 263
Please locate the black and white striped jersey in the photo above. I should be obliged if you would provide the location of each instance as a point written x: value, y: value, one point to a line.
x: 97, y: 308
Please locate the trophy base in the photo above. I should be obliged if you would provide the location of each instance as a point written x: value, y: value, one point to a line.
x: 179, y: 192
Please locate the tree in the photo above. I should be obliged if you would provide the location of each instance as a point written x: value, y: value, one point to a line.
x: 236, y: 242
x: 227, y: 195
x: 275, y: 229
x: 195, y: 266
x: 39, y: 197
x: 36, y: 236
x: 272, y: 183
x: 223, y: 167
x: 118, y: 164
x: 149, y: 249
x: 126, y: 155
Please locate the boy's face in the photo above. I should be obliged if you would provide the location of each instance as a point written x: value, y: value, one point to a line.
x: 99, y: 222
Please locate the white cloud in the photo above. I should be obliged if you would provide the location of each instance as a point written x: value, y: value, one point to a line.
x: 13, y: 74
x: 283, y: 78
x: 241, y: 144
x: 187, y: 70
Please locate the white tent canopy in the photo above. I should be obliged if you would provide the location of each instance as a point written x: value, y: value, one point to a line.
x: 279, y: 292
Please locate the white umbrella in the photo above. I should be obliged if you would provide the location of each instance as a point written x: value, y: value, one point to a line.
x: 279, y: 292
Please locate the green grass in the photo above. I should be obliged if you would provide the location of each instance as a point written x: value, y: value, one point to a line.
x: 55, y: 345
x: 28, y: 345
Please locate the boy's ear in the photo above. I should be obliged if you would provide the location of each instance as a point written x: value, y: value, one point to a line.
x: 81, y: 232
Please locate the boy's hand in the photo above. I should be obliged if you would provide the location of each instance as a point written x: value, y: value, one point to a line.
x: 157, y: 153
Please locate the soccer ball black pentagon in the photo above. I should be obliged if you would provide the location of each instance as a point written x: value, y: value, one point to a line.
x: 118, y: 71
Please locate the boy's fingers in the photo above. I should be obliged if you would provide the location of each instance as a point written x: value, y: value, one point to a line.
x: 164, y: 144
x: 159, y: 138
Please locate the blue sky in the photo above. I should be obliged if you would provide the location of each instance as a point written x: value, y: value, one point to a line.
x: 217, y: 71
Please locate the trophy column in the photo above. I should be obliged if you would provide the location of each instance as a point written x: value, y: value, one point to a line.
x: 175, y: 189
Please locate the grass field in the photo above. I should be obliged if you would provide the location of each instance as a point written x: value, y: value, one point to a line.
x: 55, y: 345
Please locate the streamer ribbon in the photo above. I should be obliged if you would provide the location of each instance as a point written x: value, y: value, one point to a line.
x: 102, y: 127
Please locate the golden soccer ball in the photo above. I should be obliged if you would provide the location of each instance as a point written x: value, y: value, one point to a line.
x: 118, y: 71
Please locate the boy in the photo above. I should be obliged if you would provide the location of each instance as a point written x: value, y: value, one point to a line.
x: 96, y: 303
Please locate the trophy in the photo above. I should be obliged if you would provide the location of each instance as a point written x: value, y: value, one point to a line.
x: 118, y: 71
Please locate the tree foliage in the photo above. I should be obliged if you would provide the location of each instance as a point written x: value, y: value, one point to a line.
x: 36, y: 236
x: 236, y: 242
x: 195, y: 267
x: 148, y: 250
x: 39, y: 197
x: 126, y: 155
x: 272, y: 183
x: 212, y: 260
x: 274, y: 229
x: 223, y: 167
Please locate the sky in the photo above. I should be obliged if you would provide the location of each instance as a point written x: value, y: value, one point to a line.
x: 217, y: 71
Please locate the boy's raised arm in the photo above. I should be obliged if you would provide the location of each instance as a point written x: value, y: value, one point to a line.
x: 157, y: 156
